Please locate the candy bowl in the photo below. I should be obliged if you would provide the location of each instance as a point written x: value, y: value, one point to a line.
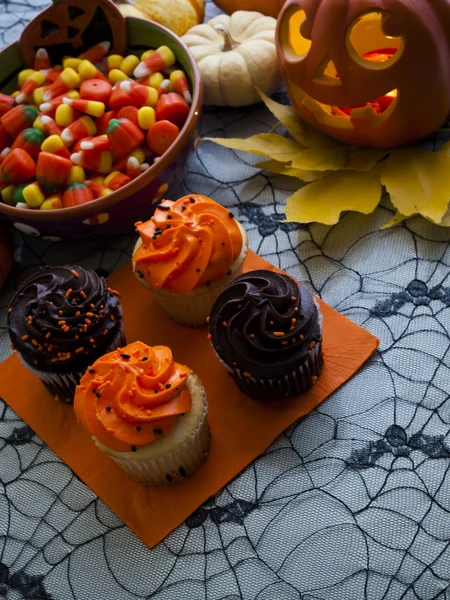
x: 70, y: 28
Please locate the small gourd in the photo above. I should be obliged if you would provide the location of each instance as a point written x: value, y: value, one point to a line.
x: 236, y: 55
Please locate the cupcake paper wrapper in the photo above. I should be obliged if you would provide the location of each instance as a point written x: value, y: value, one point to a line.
x: 183, y: 460
x: 62, y: 385
x: 193, y: 309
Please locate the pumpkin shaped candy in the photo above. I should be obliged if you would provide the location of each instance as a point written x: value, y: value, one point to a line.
x: 236, y: 55
x: 368, y: 72
x: 6, y: 254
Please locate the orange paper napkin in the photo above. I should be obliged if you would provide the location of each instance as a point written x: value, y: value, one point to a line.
x: 241, y: 428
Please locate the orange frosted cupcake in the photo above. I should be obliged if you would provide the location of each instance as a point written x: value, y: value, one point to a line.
x: 145, y: 411
x: 187, y: 253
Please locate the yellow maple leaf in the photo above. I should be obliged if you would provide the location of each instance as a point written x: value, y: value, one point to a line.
x: 324, y: 201
x: 284, y: 169
x: 269, y: 145
x: 418, y: 181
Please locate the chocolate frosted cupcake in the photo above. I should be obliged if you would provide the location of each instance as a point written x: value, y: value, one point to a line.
x: 60, y: 321
x: 267, y: 330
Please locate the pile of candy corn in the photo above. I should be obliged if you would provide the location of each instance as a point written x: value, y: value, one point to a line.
x: 81, y: 130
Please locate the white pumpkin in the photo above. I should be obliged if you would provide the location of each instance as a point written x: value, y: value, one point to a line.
x: 236, y: 54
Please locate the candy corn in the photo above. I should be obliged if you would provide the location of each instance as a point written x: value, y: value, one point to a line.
x: 31, y: 83
x: 65, y: 115
x: 146, y: 117
x: 90, y: 107
x: 93, y: 160
x: 157, y: 61
x: 6, y: 103
x: 72, y: 63
x: 76, y: 194
x: 180, y: 85
x: 23, y: 76
x: 53, y: 202
x: 114, y: 61
x: 79, y: 129
x: 18, y: 118
x: 90, y: 71
x: 97, y: 52
x: 49, y: 126
x: 98, y: 189
x: 18, y: 167
x: 67, y: 80
x: 129, y: 64
x: 52, y: 170
x: 133, y: 168
x: 30, y: 140
x: 98, y: 143
x: 116, y: 75
x: 76, y: 175
x: 165, y: 87
x: 116, y: 180
x: 33, y: 195
x: 51, y: 75
x: 124, y: 136
x: 41, y: 60
x: 54, y: 145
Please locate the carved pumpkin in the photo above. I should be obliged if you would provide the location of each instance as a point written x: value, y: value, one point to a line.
x: 271, y: 8
x: 368, y: 72
x: 6, y: 254
x: 176, y: 15
x: 68, y: 27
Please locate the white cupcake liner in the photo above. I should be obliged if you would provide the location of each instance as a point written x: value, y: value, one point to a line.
x: 193, y: 309
x: 62, y: 385
x: 295, y: 383
x: 167, y: 459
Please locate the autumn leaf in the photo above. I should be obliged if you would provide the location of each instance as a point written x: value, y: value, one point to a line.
x: 396, y: 220
x: 303, y: 132
x: 418, y: 181
x: 321, y: 159
x: 364, y: 159
x: 269, y: 145
x: 324, y: 201
x: 284, y: 169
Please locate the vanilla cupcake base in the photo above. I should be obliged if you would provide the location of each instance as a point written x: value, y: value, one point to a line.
x: 175, y: 455
x: 193, y: 309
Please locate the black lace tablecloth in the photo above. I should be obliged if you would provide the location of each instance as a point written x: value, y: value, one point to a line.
x: 351, y: 503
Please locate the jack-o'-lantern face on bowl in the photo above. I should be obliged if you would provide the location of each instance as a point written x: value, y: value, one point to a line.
x: 368, y: 72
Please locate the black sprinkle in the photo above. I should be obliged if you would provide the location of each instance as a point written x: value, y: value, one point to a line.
x: 183, y: 208
x: 197, y: 270
x: 207, y: 283
x: 125, y: 356
x: 192, y: 200
x: 133, y: 448
x: 91, y: 371
x: 98, y: 394
x: 161, y: 207
x: 156, y: 391
x: 138, y: 428
x: 182, y: 472
x: 168, y: 226
x: 223, y: 243
x: 230, y: 214
x: 144, y: 358
x: 169, y: 216
x: 157, y: 431
x: 167, y: 386
x: 154, y: 237
x: 139, y: 274
x: 169, y: 478
x: 158, y: 230
x: 178, y: 389
x: 94, y: 391
x: 229, y: 272
x: 108, y: 408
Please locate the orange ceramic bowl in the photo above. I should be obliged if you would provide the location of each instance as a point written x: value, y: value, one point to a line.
x: 118, y: 211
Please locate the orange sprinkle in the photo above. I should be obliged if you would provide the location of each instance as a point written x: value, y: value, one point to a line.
x: 293, y: 321
x: 92, y: 305
x: 69, y: 291
x: 74, y: 273
x: 89, y: 314
x: 224, y: 323
x: 293, y: 340
x: 207, y: 319
x: 209, y: 336
x: 112, y: 317
x: 284, y: 343
x: 25, y: 337
x: 54, y: 360
x: 252, y: 335
x: 50, y: 348
x: 270, y: 322
x: 66, y: 328
x: 301, y: 336
x: 83, y: 294
x: 12, y: 346
x: 77, y: 337
x: 78, y: 314
x: 312, y: 344
x: 278, y: 333
x: 291, y: 328
x: 92, y: 341
x: 35, y: 342
x: 9, y: 310
x: 295, y: 309
x: 61, y: 322
x: 80, y: 349
x: 294, y: 298
x: 47, y: 335
x: 87, y: 321
x: 60, y: 313
x: 247, y: 374
x: 105, y: 332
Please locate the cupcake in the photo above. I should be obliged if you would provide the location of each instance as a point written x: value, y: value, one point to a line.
x: 267, y: 330
x: 60, y: 321
x: 145, y: 411
x: 187, y: 253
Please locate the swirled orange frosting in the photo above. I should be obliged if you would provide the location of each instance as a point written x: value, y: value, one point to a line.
x: 187, y: 244
x: 132, y: 396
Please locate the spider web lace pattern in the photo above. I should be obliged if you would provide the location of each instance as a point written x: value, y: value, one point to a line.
x: 350, y: 503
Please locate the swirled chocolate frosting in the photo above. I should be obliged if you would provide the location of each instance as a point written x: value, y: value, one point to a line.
x: 63, y: 318
x: 264, y: 324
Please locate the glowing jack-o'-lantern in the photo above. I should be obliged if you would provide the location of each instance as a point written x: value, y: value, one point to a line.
x: 368, y: 72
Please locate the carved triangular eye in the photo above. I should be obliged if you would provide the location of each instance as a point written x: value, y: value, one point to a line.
x: 72, y: 32
x: 47, y: 28
x: 75, y: 12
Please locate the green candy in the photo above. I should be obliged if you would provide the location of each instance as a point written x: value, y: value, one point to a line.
x: 31, y: 113
x: 33, y: 136
x: 18, y: 195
